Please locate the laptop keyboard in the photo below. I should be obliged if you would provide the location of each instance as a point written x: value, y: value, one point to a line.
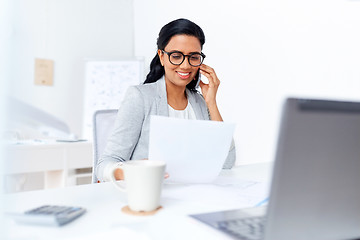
x: 245, y: 228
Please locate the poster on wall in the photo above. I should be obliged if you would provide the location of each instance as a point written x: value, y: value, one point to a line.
x: 106, y: 82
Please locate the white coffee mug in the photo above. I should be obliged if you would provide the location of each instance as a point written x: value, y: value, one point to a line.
x: 143, y: 180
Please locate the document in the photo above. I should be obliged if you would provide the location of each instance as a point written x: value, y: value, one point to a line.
x: 194, y: 150
x: 229, y: 196
x: 224, y: 191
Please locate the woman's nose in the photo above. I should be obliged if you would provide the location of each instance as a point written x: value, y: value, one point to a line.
x: 185, y: 64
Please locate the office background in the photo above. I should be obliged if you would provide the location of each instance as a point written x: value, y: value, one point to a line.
x: 262, y: 51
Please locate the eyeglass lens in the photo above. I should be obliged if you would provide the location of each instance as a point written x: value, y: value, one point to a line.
x: 177, y: 58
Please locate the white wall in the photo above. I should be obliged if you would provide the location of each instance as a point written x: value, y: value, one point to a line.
x: 5, y: 41
x: 5, y: 13
x: 263, y: 51
x: 66, y: 31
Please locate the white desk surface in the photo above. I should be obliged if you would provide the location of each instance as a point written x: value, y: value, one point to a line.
x: 104, y: 218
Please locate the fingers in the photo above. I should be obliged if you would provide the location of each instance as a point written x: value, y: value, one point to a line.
x: 201, y: 84
x: 206, y: 68
x: 119, y: 174
x: 210, y: 74
x: 204, y: 87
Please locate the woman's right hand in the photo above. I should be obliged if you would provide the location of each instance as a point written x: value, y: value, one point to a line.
x: 119, y: 174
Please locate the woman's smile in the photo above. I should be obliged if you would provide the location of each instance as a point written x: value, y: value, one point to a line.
x: 183, y: 75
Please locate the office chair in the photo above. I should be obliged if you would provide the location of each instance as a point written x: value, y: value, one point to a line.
x: 103, y: 124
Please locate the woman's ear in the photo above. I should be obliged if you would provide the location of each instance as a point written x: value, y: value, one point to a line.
x: 161, y: 57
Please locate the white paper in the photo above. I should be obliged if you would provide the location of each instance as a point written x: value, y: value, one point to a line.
x: 194, y: 150
x: 246, y: 194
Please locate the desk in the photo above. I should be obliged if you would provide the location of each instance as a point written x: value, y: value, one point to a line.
x: 104, y: 219
x: 33, y: 156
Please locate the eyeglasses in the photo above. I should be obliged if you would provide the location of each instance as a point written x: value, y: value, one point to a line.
x: 177, y: 58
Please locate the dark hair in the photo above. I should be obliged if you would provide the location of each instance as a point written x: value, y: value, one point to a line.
x: 176, y: 27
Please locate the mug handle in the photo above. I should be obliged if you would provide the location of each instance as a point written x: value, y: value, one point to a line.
x: 116, y: 182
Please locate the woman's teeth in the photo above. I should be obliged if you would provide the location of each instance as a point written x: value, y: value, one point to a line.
x: 183, y: 74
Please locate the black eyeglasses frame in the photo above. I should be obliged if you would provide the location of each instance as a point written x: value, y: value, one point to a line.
x: 184, y: 56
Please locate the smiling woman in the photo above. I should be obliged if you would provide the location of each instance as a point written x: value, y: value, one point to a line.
x: 181, y: 74
x: 169, y: 90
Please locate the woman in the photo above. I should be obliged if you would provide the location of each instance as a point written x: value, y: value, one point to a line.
x: 169, y: 90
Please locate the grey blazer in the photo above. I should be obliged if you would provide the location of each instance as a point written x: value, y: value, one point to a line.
x: 130, y: 137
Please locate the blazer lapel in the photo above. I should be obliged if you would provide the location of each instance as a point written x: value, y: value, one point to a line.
x: 199, y: 112
x: 161, y: 100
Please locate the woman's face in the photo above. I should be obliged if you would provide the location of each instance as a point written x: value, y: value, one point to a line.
x: 180, y: 75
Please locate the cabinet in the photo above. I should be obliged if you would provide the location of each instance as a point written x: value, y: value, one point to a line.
x: 60, y: 163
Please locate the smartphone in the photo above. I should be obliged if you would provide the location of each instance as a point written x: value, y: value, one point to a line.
x: 198, y: 79
x: 194, y: 84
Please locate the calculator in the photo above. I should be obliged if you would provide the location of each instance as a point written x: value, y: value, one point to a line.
x: 49, y: 215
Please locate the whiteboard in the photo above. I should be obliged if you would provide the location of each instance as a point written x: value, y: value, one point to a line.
x: 106, y: 82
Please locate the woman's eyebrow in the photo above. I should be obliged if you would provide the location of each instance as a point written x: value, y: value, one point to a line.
x: 195, y: 52
x: 182, y: 52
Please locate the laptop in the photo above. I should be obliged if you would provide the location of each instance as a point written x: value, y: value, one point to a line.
x: 315, y: 190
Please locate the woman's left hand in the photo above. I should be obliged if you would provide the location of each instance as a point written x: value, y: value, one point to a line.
x: 209, y: 90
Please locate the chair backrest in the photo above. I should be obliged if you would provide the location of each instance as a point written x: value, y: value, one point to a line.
x: 103, y: 124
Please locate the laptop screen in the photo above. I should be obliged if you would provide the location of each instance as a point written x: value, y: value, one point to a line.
x: 316, y: 173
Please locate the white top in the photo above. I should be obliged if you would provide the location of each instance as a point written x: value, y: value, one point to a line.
x: 187, y: 113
